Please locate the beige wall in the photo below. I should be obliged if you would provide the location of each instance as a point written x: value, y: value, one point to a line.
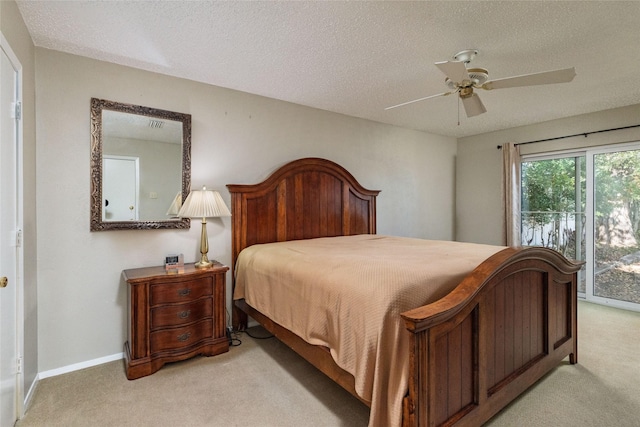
x: 478, y: 165
x: 237, y: 138
x: 15, y: 31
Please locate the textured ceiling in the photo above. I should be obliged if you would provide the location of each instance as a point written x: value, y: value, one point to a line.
x: 357, y: 58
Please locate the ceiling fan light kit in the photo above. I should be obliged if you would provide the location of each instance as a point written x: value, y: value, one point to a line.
x: 462, y: 80
x: 465, y: 92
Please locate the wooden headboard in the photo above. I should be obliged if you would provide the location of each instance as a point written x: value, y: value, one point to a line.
x: 304, y: 199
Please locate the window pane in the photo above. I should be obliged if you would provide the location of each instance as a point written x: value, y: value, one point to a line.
x: 617, y: 220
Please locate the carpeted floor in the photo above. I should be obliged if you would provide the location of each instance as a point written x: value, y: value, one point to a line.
x: 603, y: 389
x: 263, y: 383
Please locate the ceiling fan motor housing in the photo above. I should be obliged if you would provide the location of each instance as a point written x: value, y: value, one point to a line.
x: 478, y: 76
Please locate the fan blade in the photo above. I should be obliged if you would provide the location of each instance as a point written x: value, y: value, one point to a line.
x: 418, y: 100
x: 473, y: 106
x: 544, y: 78
x: 455, y: 70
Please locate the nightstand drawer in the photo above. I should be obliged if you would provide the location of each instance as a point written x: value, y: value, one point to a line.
x: 175, y: 315
x: 176, y: 338
x: 187, y: 290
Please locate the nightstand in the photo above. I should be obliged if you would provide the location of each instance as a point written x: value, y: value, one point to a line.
x: 173, y: 317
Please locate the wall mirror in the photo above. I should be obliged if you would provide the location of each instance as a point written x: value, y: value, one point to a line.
x: 140, y: 166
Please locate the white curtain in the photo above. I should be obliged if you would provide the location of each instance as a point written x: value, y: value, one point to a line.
x: 511, y: 194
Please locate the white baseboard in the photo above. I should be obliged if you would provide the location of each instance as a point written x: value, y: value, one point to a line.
x: 29, y: 396
x: 78, y: 366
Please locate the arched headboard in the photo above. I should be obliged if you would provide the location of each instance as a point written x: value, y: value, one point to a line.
x: 304, y: 199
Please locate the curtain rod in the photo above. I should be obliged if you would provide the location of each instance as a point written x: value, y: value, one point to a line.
x: 585, y: 134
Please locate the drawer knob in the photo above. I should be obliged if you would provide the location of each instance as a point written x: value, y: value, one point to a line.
x: 184, y: 337
x: 184, y: 292
x: 184, y: 314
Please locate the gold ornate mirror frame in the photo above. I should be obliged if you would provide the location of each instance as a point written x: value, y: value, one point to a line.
x: 97, y: 107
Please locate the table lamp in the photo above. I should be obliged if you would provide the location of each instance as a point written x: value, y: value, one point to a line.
x: 203, y: 204
x: 176, y: 204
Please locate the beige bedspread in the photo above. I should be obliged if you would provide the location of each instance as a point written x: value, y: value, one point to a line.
x: 347, y: 293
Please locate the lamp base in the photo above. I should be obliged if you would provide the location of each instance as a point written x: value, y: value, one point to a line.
x: 204, y: 262
x: 204, y: 247
x: 203, y: 265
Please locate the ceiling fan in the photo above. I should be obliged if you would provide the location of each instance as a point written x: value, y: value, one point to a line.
x: 463, y: 81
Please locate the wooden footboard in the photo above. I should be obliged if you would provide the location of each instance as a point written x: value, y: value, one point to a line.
x: 503, y: 328
x: 511, y: 321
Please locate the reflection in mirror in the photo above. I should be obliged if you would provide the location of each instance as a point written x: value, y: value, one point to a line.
x: 140, y: 166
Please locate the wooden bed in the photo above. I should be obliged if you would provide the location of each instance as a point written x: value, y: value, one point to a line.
x: 507, y: 324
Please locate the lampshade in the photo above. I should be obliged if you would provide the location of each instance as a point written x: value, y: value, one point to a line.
x: 175, y: 205
x: 203, y: 204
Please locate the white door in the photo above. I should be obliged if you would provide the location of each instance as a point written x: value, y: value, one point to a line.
x: 119, y: 188
x: 8, y: 240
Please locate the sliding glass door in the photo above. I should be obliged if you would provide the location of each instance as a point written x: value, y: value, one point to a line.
x: 586, y: 205
x: 616, y: 219
x: 553, y: 206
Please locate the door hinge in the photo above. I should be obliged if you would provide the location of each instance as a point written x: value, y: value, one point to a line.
x: 17, y: 111
x: 19, y: 365
x: 18, y: 238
